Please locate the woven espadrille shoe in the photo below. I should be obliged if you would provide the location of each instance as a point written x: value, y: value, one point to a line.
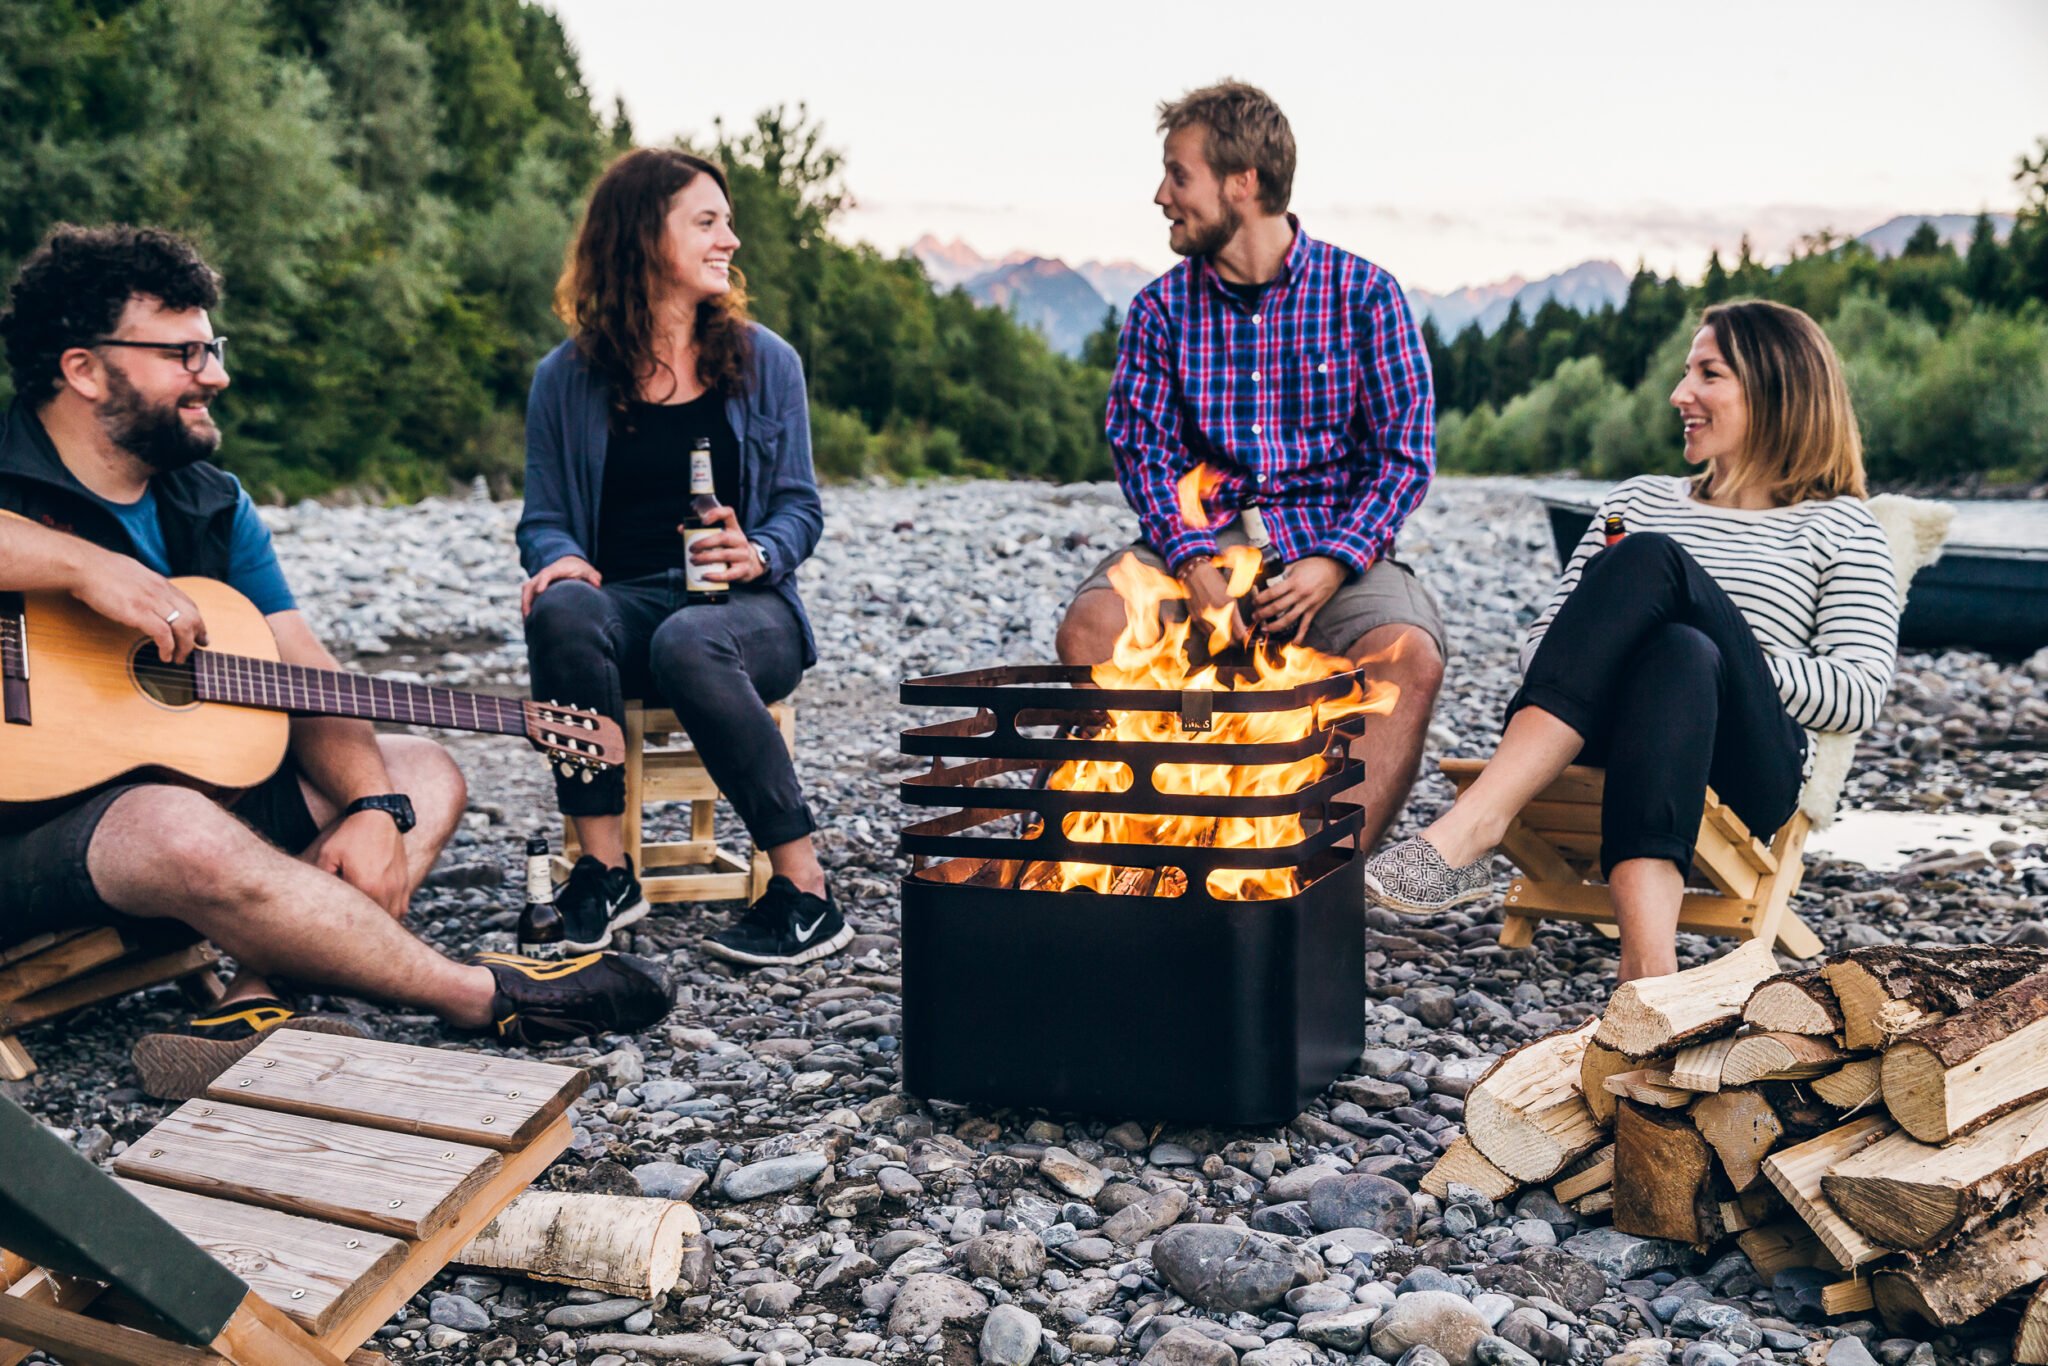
x: 1412, y: 876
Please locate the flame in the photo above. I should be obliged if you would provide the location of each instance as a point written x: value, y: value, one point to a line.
x: 1152, y: 654
x: 1194, y: 490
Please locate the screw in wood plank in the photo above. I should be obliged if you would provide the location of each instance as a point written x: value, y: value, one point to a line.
x: 450, y: 1153
x: 206, y: 1110
x: 245, y: 1081
x: 396, y: 1203
x: 490, y: 1119
x: 270, y: 1062
x: 511, y: 1095
x: 156, y: 1152
x: 298, y: 1294
x: 355, y: 1242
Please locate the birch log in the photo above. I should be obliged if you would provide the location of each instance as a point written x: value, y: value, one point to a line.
x: 620, y: 1244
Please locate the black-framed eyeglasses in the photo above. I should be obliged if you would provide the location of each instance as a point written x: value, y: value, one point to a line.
x: 193, y: 354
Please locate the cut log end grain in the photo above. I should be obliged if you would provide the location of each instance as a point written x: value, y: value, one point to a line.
x: 1466, y: 1165
x: 1779, y: 1057
x: 1526, y: 1114
x: 1795, y: 1003
x: 1653, y: 1014
x: 1847, y: 1297
x: 1598, y: 1064
x: 1971, y: 1273
x: 2030, y: 1343
x: 618, y: 1244
x: 1914, y: 1196
x: 1853, y: 1085
x: 1742, y: 1128
x: 1885, y: 991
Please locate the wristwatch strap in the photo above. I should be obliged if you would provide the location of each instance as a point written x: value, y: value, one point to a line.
x: 396, y: 805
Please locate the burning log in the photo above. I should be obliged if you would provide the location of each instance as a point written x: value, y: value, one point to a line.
x: 1914, y: 1196
x: 1465, y: 1164
x: 1888, y: 991
x: 1526, y: 1114
x: 1663, y: 1177
x: 1742, y: 1128
x: 1653, y: 1014
x: 1797, y: 1173
x: 1962, y: 1280
x: 1949, y: 1077
x: 1795, y: 1003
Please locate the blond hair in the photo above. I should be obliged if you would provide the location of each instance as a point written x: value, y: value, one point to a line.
x: 1245, y: 132
x: 1803, y: 442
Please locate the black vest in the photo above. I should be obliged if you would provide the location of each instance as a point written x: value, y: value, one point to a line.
x: 195, y: 506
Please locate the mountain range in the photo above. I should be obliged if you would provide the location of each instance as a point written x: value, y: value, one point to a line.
x: 1067, y: 303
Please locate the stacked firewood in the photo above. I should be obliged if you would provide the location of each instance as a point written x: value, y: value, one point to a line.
x: 1883, y: 1118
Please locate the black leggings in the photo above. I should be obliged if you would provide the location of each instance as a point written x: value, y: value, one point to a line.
x: 1654, y: 665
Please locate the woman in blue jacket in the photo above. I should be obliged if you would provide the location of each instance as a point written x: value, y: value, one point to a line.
x: 662, y: 359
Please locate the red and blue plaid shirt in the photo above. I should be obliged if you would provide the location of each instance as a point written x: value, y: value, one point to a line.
x: 1317, y: 398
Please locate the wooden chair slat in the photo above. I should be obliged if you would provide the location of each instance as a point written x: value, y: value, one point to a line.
x: 410, y: 1185
x: 486, y: 1099
x: 59, y: 963
x: 15, y: 952
x: 1582, y: 817
x: 116, y: 980
x: 311, y: 1270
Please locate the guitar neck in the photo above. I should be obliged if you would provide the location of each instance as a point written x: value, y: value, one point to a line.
x: 244, y: 682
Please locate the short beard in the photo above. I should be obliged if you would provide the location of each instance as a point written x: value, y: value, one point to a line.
x: 153, y: 433
x: 1214, y: 238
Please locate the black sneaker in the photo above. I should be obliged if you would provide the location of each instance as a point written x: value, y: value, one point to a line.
x: 543, y: 1001
x: 181, y: 1065
x: 784, y: 926
x: 595, y: 901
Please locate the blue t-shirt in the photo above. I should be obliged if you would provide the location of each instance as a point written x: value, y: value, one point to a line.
x: 253, y: 570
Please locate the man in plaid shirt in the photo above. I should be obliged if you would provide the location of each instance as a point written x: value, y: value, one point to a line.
x: 1295, y: 372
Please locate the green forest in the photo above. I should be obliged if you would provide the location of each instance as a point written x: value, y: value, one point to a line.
x: 389, y: 187
x: 1946, y: 354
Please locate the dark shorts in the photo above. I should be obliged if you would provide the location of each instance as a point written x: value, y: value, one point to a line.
x: 1387, y: 594
x: 45, y: 884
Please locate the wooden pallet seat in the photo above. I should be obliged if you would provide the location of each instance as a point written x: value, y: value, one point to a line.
x: 54, y: 974
x: 282, y: 1217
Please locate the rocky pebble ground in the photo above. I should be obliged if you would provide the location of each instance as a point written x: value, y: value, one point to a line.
x: 848, y: 1221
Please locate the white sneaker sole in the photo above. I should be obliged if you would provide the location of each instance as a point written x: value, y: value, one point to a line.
x: 632, y: 915
x: 821, y: 949
x: 1380, y: 896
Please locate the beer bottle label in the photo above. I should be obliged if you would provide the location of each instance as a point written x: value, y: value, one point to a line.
x: 700, y: 470
x: 1255, y: 527
x: 697, y: 577
x: 540, y: 887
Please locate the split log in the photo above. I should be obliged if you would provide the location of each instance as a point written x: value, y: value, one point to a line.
x: 1852, y: 1296
x: 1595, y: 1202
x: 1466, y: 1165
x: 1525, y: 1113
x: 1853, y: 1085
x: 1972, y: 1273
x: 1779, y: 1247
x: 1698, y: 1068
x: 1599, y: 1063
x: 1742, y: 1128
x: 1663, y: 1177
x: 1594, y: 1175
x: 2030, y: 1343
x: 1914, y: 1196
x: 1795, y: 1003
x: 1803, y: 1114
x: 1887, y: 991
x: 619, y: 1244
x: 1649, y: 1086
x: 1751, y: 1209
x: 1991, y: 1057
x: 1779, y: 1057
x: 1652, y: 1014
x: 1797, y: 1173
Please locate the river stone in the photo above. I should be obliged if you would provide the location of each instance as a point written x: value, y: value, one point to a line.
x: 1430, y: 1318
x: 1361, y: 1201
x: 1286, y: 1352
x: 1849, y: 1351
x: 1010, y: 1337
x: 1493, y: 1351
x: 1421, y: 1354
x: 1184, y: 1346
x: 1073, y: 1176
x: 770, y: 1177
x: 695, y: 1349
x: 1545, y: 1271
x: 573, y: 1316
x: 1009, y: 1259
x: 669, y: 1180
x: 458, y: 1312
x: 898, y: 1241
x: 1223, y: 1268
x: 1343, y: 1329
x: 1136, y: 1222
x: 1290, y: 1219
x: 929, y: 1300
x: 1623, y: 1257
x: 1322, y: 1298
x: 1296, y: 1184
x: 771, y: 1299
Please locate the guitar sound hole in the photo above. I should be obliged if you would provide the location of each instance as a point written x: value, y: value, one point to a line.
x: 168, y: 684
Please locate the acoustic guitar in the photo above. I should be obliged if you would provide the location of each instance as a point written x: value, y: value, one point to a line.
x: 84, y: 700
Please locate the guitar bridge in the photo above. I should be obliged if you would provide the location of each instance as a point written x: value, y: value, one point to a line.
x: 14, y: 659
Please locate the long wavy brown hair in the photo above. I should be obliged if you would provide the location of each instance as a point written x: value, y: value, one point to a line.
x: 618, y: 270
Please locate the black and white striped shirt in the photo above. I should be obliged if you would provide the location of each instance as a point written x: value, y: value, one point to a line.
x: 1814, y: 580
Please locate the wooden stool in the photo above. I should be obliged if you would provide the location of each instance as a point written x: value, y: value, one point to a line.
x: 663, y: 766
x: 55, y: 974
x: 284, y: 1216
x: 1556, y: 842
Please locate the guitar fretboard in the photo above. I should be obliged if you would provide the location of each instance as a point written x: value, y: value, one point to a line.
x: 241, y: 681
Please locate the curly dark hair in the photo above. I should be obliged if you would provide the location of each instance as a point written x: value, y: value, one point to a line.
x: 617, y: 271
x: 73, y: 288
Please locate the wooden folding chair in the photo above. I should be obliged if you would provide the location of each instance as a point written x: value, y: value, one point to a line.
x: 55, y: 974
x: 281, y: 1218
x: 1556, y: 842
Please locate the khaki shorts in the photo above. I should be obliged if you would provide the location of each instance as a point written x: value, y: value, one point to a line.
x: 1388, y: 594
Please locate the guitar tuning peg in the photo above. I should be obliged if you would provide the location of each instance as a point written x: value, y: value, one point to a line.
x: 587, y: 775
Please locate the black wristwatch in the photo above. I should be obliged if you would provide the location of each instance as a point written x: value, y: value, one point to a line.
x: 396, y: 805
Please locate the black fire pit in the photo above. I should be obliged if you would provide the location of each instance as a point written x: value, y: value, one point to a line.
x: 1186, y: 1007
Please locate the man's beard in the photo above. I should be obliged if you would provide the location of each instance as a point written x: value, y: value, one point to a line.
x: 155, y: 434
x: 1214, y: 238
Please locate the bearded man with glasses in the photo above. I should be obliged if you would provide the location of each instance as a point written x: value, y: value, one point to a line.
x: 104, y: 452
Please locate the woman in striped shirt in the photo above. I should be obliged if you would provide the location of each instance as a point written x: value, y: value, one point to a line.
x: 1745, y: 606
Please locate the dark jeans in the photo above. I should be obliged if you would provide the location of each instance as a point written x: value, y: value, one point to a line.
x: 716, y: 667
x: 1652, y: 662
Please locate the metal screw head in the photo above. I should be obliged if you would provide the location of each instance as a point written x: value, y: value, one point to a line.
x: 450, y: 1153
x: 396, y: 1203
x: 511, y: 1095
x: 270, y: 1062
x: 355, y: 1242
x: 245, y: 1081
x: 156, y: 1152
x: 490, y: 1119
x: 206, y: 1110
x: 298, y: 1294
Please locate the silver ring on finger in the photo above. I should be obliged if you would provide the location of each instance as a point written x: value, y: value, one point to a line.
x: 171, y: 617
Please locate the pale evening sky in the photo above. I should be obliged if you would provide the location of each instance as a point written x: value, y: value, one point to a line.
x: 1453, y: 143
